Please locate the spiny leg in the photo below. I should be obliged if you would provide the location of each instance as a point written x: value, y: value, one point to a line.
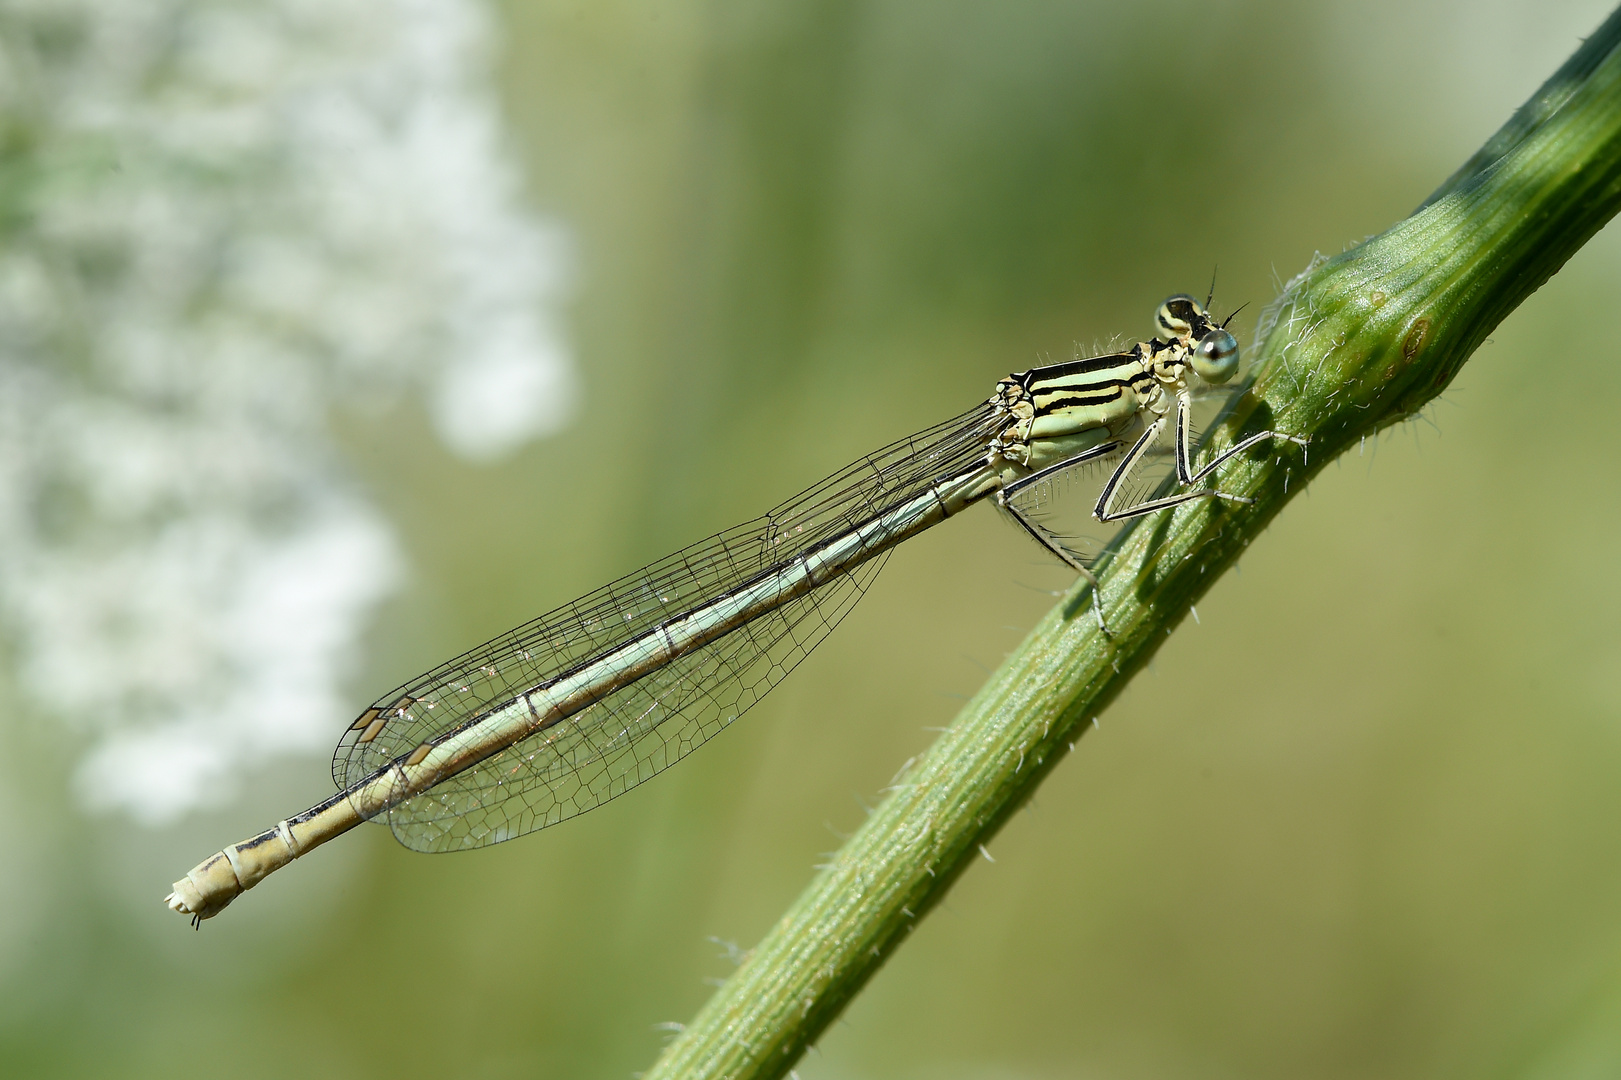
x: 1105, y: 511
x: 1184, y: 426
x: 1004, y: 499
x: 1183, y: 457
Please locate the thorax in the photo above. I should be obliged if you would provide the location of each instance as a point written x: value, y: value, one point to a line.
x: 1064, y: 408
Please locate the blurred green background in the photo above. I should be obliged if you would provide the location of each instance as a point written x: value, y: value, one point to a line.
x: 1361, y: 821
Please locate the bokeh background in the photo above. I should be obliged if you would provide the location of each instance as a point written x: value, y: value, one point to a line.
x: 342, y: 337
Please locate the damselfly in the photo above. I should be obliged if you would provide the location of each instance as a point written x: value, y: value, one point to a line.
x: 582, y: 704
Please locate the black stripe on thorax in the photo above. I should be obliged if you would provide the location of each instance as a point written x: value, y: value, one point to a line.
x: 1059, y: 400
x: 1102, y: 392
x: 1085, y: 366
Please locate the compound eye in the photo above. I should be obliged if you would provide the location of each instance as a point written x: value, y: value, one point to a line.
x: 1178, y: 318
x: 1215, y: 358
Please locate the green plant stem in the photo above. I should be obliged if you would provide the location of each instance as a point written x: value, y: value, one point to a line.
x: 1356, y: 343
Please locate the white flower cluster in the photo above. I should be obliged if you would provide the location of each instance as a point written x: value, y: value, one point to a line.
x: 221, y: 219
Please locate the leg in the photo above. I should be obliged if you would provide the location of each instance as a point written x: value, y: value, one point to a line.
x: 1089, y: 454
x: 1183, y: 457
x: 1042, y: 536
x: 1105, y: 511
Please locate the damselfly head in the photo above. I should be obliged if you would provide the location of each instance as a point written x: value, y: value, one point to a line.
x: 1214, y: 352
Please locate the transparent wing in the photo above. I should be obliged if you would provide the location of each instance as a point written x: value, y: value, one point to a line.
x: 605, y: 749
x: 627, y: 737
